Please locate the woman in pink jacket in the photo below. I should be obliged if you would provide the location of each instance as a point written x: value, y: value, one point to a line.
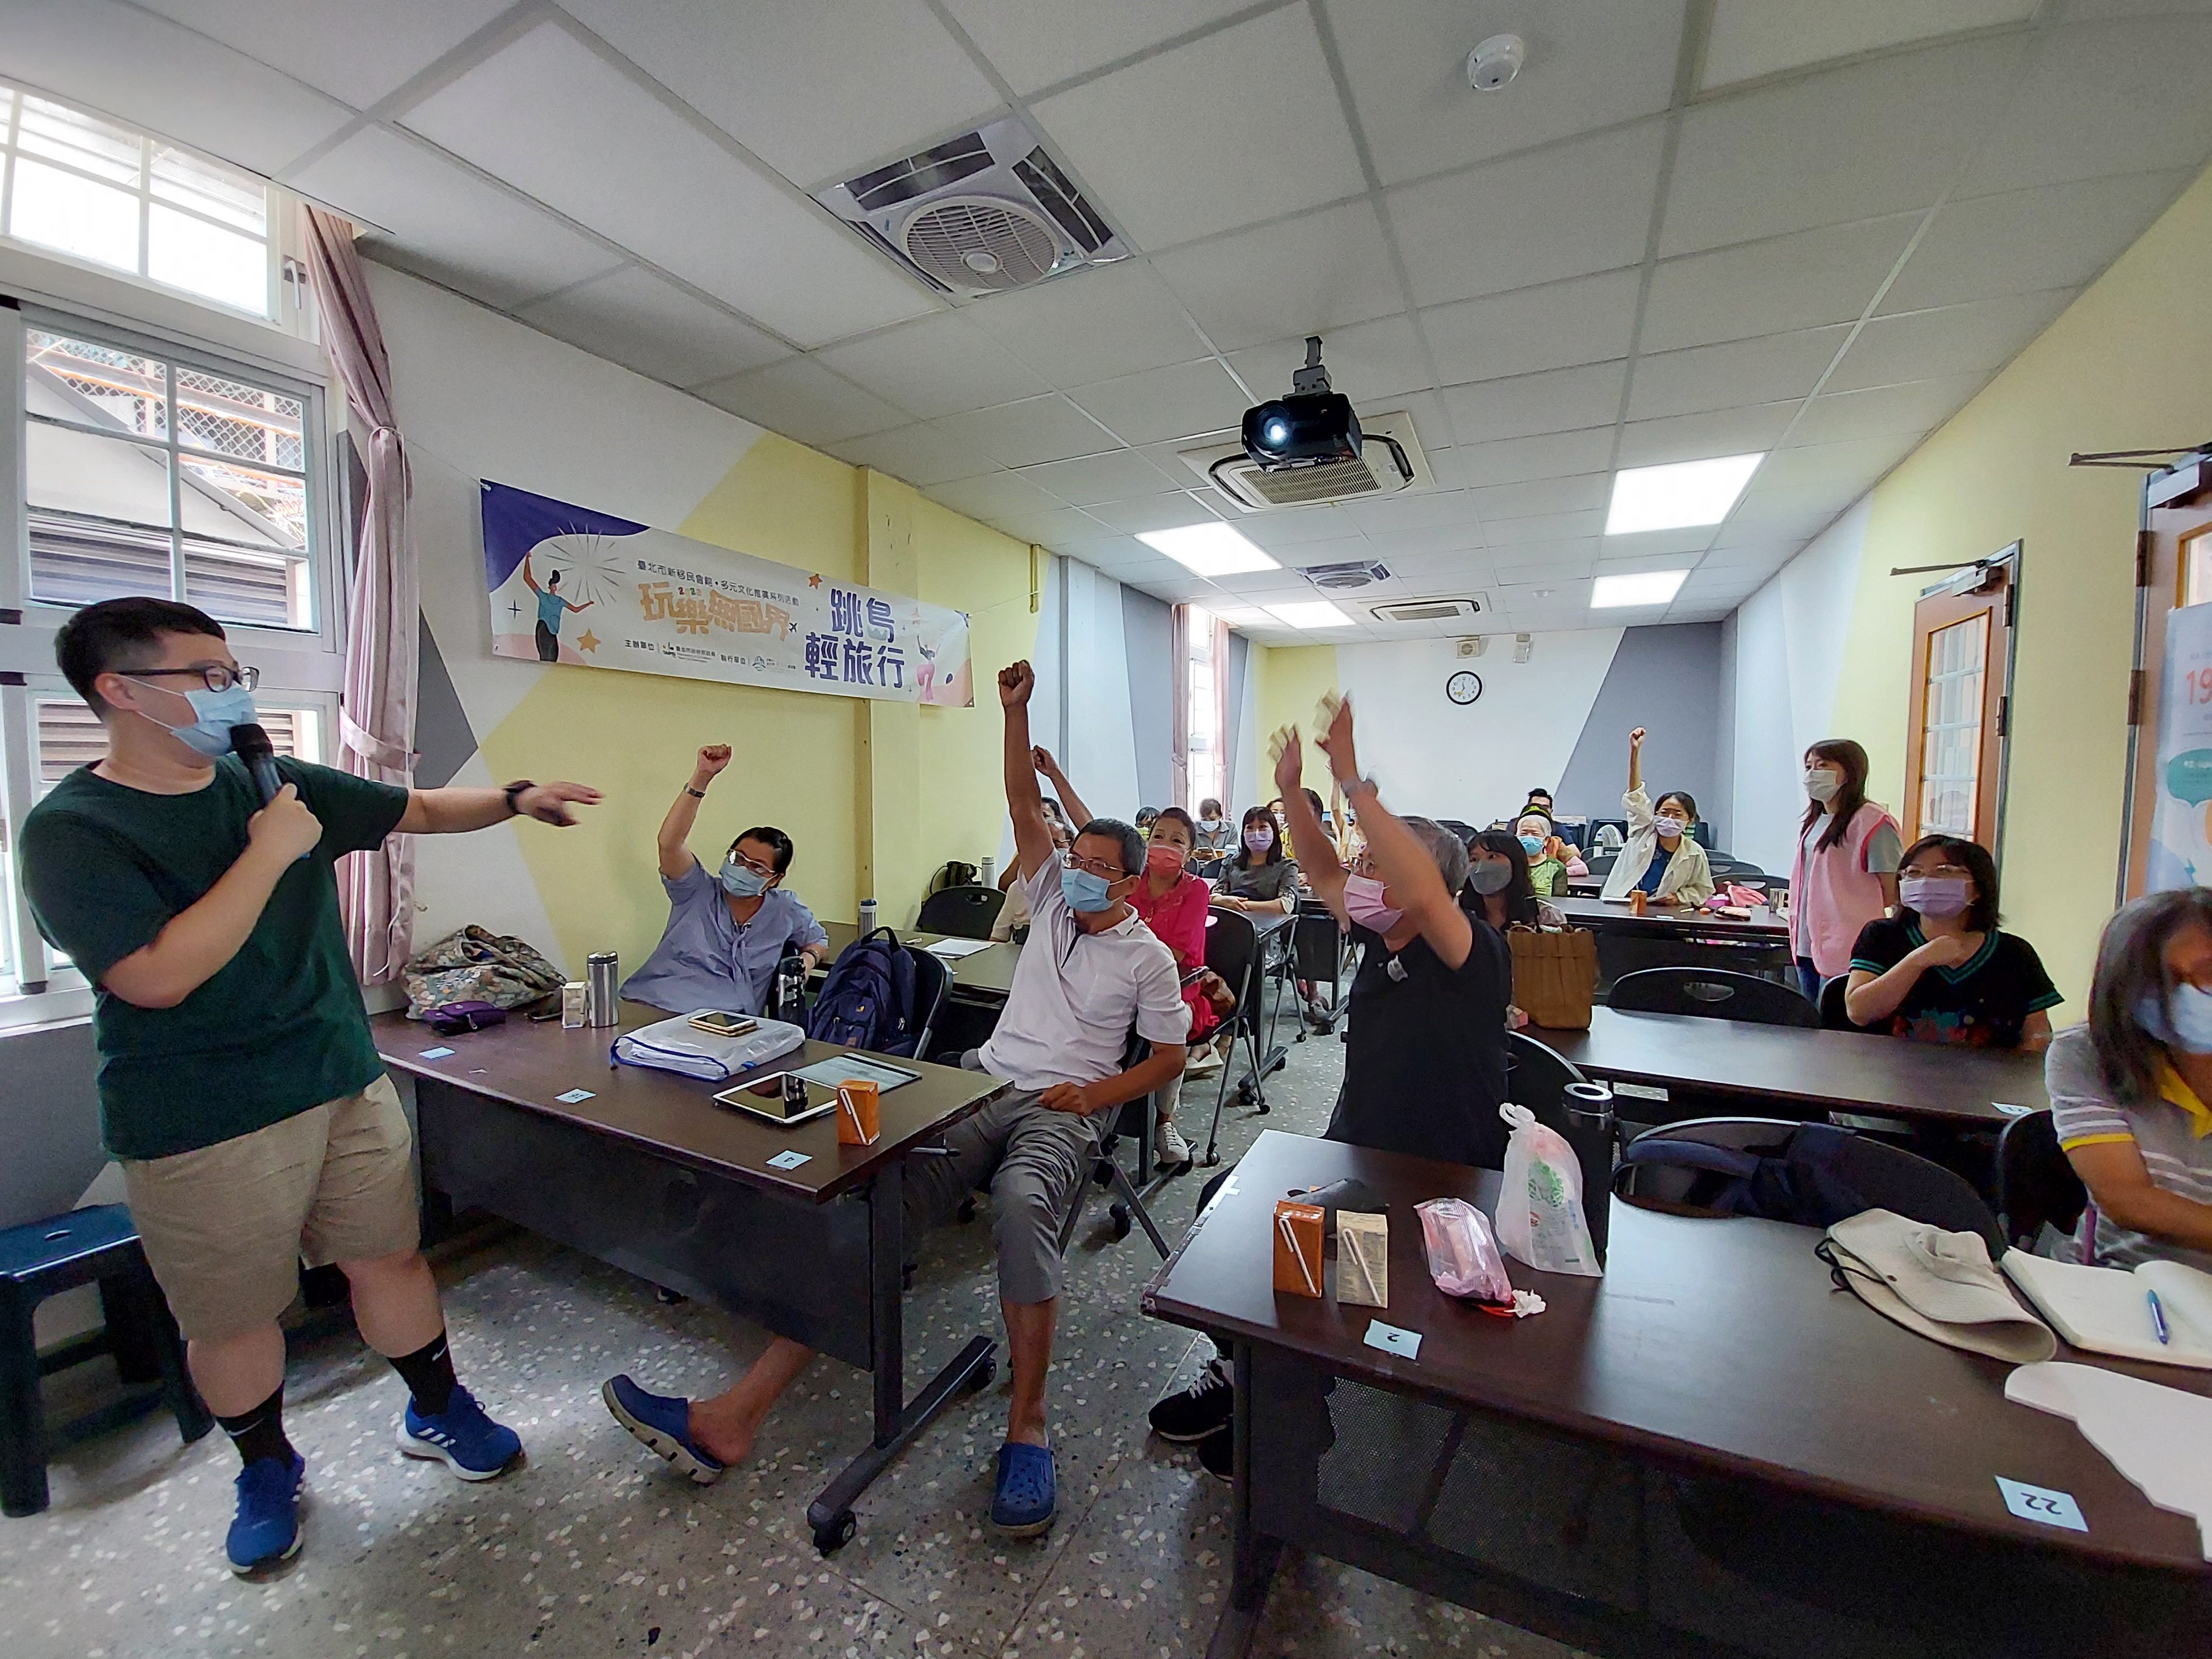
x: 1846, y: 869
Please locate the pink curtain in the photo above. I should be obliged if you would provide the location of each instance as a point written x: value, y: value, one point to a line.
x: 1223, y: 750
x: 376, y: 718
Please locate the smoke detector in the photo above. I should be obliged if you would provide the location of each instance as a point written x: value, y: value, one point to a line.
x: 980, y: 214
x: 1495, y: 62
x: 1389, y: 460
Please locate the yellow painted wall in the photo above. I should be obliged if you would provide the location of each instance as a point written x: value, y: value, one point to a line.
x: 1291, y: 679
x: 2128, y: 366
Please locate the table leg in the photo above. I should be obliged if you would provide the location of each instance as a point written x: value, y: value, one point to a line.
x: 1254, y: 1556
x: 437, y: 1206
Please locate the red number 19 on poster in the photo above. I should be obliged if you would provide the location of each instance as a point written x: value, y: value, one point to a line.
x: 2200, y: 684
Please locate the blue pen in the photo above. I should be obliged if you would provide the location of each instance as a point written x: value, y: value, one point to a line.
x: 2158, y: 1318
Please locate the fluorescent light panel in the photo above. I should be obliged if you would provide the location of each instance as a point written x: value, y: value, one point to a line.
x: 1679, y: 497
x: 1645, y: 587
x: 1309, y: 613
x: 1208, y: 550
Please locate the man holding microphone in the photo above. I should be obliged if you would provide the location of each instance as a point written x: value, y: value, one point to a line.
x: 239, y: 1086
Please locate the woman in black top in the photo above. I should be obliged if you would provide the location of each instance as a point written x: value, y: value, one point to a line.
x: 1262, y: 877
x: 1424, y: 1053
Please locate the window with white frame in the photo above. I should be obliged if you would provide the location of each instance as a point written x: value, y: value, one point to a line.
x: 1202, y: 711
x: 76, y: 184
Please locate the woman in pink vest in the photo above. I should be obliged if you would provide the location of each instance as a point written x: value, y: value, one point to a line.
x: 1846, y: 869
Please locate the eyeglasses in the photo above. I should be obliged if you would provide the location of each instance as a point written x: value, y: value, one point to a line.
x: 1946, y: 870
x: 753, y: 865
x: 1094, y: 866
x: 216, y: 676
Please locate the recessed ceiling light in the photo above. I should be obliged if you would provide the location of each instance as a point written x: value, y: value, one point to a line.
x: 1645, y: 587
x: 1310, y: 613
x: 1210, y: 549
x: 1678, y: 496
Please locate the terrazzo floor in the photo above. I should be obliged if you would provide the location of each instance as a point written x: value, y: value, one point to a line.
x: 595, y: 1548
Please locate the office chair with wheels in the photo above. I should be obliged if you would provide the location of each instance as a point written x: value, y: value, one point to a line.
x: 1134, y: 1118
x: 965, y: 912
x: 932, y: 986
x: 1536, y: 1076
x: 2036, y: 1186
x: 1712, y: 993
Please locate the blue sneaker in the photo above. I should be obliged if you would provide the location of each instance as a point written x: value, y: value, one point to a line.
x: 473, y: 1446
x: 1022, y: 1504
x: 662, y: 1423
x: 266, y: 1528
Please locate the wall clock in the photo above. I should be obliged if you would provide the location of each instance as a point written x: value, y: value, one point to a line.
x: 1463, y: 687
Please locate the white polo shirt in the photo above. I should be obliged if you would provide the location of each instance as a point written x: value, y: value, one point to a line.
x: 1076, y: 995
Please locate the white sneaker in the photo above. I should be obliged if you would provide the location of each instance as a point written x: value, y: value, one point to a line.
x: 1170, y: 1152
x: 1205, y: 1062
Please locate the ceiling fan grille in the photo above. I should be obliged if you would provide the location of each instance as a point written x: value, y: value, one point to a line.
x: 973, y: 242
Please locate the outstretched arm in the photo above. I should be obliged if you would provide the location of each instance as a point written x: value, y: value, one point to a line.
x: 529, y: 580
x: 573, y: 605
x: 1635, y: 760
x: 1033, y: 845
x: 1078, y: 813
x: 673, y: 841
x: 452, y: 812
x: 1408, y: 869
x: 1323, y: 870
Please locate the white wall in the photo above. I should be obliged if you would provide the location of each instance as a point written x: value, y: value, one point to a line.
x: 1789, y: 659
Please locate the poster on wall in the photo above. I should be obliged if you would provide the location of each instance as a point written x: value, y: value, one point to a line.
x: 569, y: 585
x: 2181, y: 834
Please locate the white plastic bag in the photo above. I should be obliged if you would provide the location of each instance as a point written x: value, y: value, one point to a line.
x: 677, y: 1045
x: 1540, y: 1207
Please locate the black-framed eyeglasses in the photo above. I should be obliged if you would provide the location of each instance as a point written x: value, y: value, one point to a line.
x: 216, y: 676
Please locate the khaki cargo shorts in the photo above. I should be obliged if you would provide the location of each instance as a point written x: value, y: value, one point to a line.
x: 226, y: 1226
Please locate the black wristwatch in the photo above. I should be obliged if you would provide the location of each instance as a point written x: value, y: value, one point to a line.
x: 514, y: 796
x: 695, y: 794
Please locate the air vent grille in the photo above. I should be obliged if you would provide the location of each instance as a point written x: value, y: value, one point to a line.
x: 974, y: 242
x: 1427, y: 610
x: 1342, y: 578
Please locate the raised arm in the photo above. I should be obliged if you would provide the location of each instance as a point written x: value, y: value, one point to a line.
x: 529, y: 580
x: 673, y: 842
x: 1078, y: 813
x: 1323, y: 870
x: 1635, y: 760
x: 1033, y: 845
x: 1403, y: 861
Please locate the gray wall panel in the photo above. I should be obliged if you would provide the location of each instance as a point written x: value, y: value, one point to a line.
x: 1148, y: 643
x: 1667, y: 680
x: 48, y: 1122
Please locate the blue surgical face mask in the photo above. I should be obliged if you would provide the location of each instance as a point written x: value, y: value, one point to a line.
x: 1531, y: 844
x: 217, y: 712
x: 2189, y: 1029
x: 1084, y: 891
x: 742, y: 880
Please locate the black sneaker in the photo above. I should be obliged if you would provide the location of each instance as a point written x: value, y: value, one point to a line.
x: 1217, y: 1453
x: 1199, y: 1410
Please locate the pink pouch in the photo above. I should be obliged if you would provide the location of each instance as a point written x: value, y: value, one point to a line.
x: 1463, y: 1256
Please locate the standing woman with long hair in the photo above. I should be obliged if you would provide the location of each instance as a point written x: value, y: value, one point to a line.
x: 1845, y: 873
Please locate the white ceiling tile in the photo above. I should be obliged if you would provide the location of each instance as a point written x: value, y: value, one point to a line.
x: 1763, y: 556
x: 1749, y: 38
x: 1453, y: 536
x: 1516, y: 460
x: 1119, y: 475
x: 1506, y: 225
x: 1498, y: 502
x: 1370, y: 362
x: 1157, y: 405
x: 1956, y: 340
x: 2102, y: 98
x: 1057, y: 528
x: 1884, y: 411
x: 1759, y: 525
x: 2025, y: 240
x: 1654, y: 550
x: 1090, y: 325
x: 1294, y: 526
x: 1875, y: 138
x: 1794, y: 282
x: 1758, y: 426
x: 634, y: 317
x: 817, y: 103
x: 1304, y: 276
x: 1545, y: 527
x: 1538, y: 563
x: 1105, y: 552
x: 1467, y: 566
x: 1558, y: 400
x: 1208, y: 151
x: 1036, y: 43
x: 1166, y: 511
x: 641, y: 174
x: 1585, y: 319
x: 445, y: 223
x: 1590, y: 64
x: 1855, y: 464
x: 1047, y: 428
x: 147, y: 70
x: 803, y: 400
x: 2083, y: 11
x: 352, y: 51
x: 1701, y: 378
x: 1415, y: 510
x: 935, y: 366
x: 1288, y: 582
x: 921, y: 454
x: 994, y: 495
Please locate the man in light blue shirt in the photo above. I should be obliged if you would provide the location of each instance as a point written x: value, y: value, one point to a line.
x: 726, y: 930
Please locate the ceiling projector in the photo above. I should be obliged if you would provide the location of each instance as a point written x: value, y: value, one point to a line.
x: 1312, y: 427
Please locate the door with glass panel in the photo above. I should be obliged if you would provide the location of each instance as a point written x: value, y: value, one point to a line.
x: 2173, y: 571
x: 1960, y: 703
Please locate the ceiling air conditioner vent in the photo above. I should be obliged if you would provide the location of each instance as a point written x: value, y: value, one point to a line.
x: 1342, y: 578
x: 1391, y: 460
x: 1427, y: 610
x: 979, y: 214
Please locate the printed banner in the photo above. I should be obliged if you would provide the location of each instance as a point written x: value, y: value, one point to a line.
x: 2181, y: 832
x: 572, y: 585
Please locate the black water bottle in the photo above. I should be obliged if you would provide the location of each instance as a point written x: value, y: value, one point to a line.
x: 791, y: 990
x: 1591, y: 1132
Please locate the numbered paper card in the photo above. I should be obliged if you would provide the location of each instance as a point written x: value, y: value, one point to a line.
x: 2052, y: 1509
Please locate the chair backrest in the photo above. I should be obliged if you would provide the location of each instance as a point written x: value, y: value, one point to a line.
x: 1814, y: 1174
x: 2035, y: 1183
x: 1536, y: 1076
x: 1712, y: 994
x: 1466, y: 832
x: 933, y: 984
x: 1232, y: 951
x: 961, y: 912
x: 1834, y: 1015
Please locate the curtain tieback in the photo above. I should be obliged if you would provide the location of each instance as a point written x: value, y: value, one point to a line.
x: 371, y: 748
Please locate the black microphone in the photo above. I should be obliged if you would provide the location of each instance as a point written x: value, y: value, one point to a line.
x: 251, y: 744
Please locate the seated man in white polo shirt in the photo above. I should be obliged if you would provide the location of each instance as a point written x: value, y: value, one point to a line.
x: 1090, y: 974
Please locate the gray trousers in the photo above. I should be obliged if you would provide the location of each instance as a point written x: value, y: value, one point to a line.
x: 1035, y: 1161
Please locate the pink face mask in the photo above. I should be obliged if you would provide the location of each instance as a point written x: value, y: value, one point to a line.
x: 1163, y: 859
x: 1363, y: 902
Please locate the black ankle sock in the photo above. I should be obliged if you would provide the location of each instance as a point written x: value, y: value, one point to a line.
x: 259, y: 1433
x: 429, y: 1373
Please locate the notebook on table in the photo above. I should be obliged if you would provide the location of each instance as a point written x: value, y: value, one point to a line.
x: 2107, y: 1309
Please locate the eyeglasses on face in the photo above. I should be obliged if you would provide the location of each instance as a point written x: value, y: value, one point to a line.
x: 755, y: 865
x: 216, y: 676
x: 1098, y: 867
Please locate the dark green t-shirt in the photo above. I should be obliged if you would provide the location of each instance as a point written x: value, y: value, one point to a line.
x: 280, y: 1027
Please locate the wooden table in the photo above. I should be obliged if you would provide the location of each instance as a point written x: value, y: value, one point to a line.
x: 1764, y: 928
x: 649, y: 1172
x: 1823, y: 1070
x: 1546, y: 1470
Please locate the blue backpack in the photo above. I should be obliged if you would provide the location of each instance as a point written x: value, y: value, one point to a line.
x: 870, y: 998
